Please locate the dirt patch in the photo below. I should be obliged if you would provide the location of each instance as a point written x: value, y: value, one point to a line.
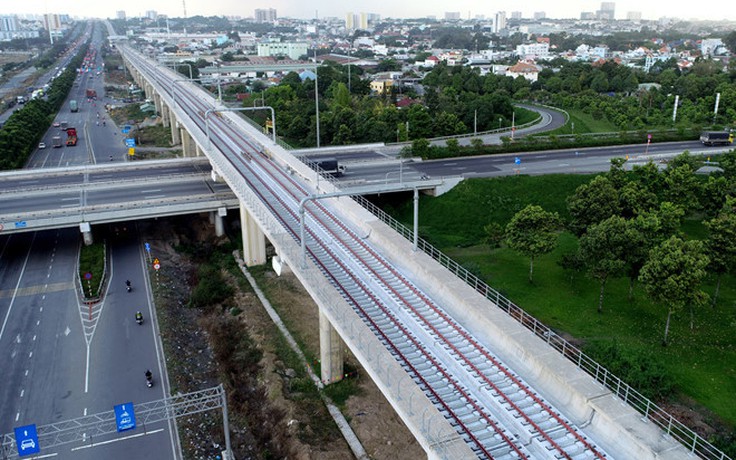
x: 297, y: 421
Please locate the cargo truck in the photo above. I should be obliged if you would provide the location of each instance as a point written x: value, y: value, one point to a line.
x: 91, y: 94
x: 73, y: 106
x: 716, y: 138
x: 329, y: 166
x: 71, y: 137
x: 56, y: 141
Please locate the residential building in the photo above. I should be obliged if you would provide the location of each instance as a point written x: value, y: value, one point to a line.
x: 516, y: 15
x: 152, y: 15
x: 266, y: 15
x: 607, y: 11
x: 533, y: 50
x: 587, y: 16
x: 120, y: 14
x: 294, y: 50
x: 51, y: 22
x: 539, y: 15
x: 633, y: 16
x: 452, y: 16
x: 499, y: 22
x: 523, y: 69
x: 8, y: 23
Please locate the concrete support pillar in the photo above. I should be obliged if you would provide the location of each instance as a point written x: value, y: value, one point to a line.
x: 216, y: 217
x: 157, y: 102
x: 254, y: 241
x: 165, y: 116
x: 330, y: 351
x: 215, y: 176
x: 86, y: 230
x: 175, y: 136
x: 187, y: 144
x: 198, y: 150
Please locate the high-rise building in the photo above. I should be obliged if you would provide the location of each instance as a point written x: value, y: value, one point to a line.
x: 351, y: 20
x: 363, y: 21
x: 499, y: 22
x: 516, y: 15
x: 266, y: 15
x: 51, y: 22
x: 607, y: 11
x: 587, y: 16
x: 152, y: 15
x: 120, y: 14
x: 539, y: 15
x: 452, y: 16
x: 8, y: 23
x: 633, y: 15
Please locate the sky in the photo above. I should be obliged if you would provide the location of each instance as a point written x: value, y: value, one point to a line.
x: 653, y: 9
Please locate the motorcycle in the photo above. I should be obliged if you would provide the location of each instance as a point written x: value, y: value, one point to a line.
x: 139, y: 318
x: 128, y: 287
x: 149, y: 379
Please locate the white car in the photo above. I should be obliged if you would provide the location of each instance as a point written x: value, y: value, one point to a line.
x: 41, y: 145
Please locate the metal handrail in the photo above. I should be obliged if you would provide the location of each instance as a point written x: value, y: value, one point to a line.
x: 651, y: 411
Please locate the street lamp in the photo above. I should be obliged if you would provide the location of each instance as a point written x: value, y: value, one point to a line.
x: 236, y: 109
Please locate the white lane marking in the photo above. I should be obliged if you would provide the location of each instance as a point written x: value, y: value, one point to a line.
x: 26, y: 372
x: 30, y: 354
x: 38, y: 322
x: 86, y: 373
x: 153, y: 197
x: 69, y: 206
x: 67, y: 331
x: 109, y: 441
x: 17, y: 416
x: 70, y: 199
x: 47, y: 455
x: 85, y: 411
x: 15, y: 291
x: 150, y: 191
x: 34, y: 338
x: 22, y: 392
x: 40, y: 309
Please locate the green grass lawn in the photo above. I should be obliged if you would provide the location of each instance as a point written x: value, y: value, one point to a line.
x: 701, y: 361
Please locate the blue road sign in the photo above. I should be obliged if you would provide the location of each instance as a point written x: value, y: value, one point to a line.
x: 125, y: 416
x: 517, y: 160
x: 21, y: 224
x: 130, y: 142
x: 126, y: 129
x: 27, y: 440
x: 148, y: 248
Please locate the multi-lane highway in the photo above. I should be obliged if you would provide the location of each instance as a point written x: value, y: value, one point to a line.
x: 64, y: 359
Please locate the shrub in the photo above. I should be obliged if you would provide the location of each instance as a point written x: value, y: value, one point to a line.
x: 643, y: 371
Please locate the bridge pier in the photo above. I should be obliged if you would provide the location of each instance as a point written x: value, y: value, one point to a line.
x: 157, y: 102
x: 330, y: 351
x: 216, y: 217
x: 86, y: 230
x: 175, y: 136
x: 187, y: 143
x: 165, y: 116
x: 254, y: 241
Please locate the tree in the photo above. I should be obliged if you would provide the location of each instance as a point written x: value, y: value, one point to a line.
x: 730, y: 41
x: 603, y: 248
x: 533, y: 232
x: 721, y: 246
x: 592, y: 203
x: 672, y: 276
x: 493, y: 235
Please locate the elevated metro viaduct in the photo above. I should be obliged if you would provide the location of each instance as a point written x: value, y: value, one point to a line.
x: 620, y: 430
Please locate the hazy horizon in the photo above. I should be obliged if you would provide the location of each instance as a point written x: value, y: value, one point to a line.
x: 714, y: 10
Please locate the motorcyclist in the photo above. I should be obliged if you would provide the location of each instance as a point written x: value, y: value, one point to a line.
x: 139, y: 317
x: 127, y: 285
x: 149, y: 375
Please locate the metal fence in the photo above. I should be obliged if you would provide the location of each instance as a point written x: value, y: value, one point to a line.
x: 651, y: 411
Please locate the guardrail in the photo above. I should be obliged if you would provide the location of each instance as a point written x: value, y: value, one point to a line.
x: 651, y: 411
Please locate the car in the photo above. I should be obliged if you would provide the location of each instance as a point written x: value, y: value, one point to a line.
x: 41, y: 145
x: 56, y: 124
x: 27, y: 444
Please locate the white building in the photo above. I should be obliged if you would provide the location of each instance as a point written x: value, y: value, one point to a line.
x: 533, y: 51
x: 266, y: 15
x: 499, y: 22
x: 708, y: 46
x: 293, y: 50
